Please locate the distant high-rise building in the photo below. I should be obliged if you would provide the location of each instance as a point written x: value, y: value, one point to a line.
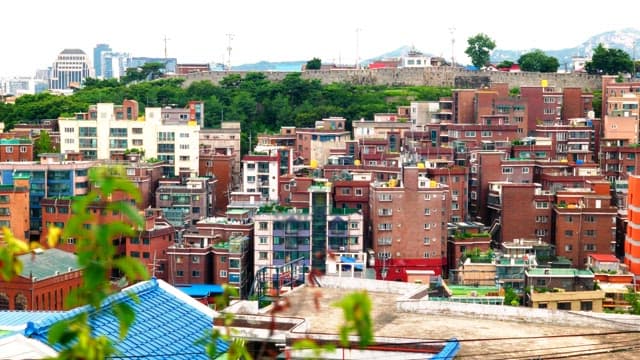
x: 170, y: 64
x: 114, y: 64
x: 97, y: 58
x: 71, y: 66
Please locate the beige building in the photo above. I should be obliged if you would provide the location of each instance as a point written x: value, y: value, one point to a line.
x: 569, y: 300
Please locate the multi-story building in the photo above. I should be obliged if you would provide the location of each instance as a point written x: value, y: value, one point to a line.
x: 314, y: 145
x: 619, y: 159
x: 574, y: 140
x: 170, y: 64
x: 584, y: 222
x: 45, y: 280
x: 70, y: 69
x: 217, y: 251
x: 409, y: 223
x: 620, y: 104
x: 16, y: 149
x: 260, y: 174
x: 186, y: 201
x: 519, y: 210
x: 632, y: 238
x: 284, y: 234
x: 52, y: 176
x: 14, y: 206
x: 114, y: 64
x: 225, y: 140
x: 97, y: 59
x: 422, y: 113
x: 220, y: 167
x: 109, y: 130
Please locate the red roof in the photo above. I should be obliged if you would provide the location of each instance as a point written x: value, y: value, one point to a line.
x: 604, y: 257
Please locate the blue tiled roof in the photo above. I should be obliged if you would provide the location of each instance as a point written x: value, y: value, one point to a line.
x: 201, y: 290
x: 167, y: 323
x: 11, y: 319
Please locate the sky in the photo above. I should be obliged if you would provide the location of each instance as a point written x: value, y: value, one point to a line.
x: 35, y: 31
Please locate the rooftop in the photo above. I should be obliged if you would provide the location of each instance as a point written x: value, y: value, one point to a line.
x: 558, y: 272
x: 46, y: 263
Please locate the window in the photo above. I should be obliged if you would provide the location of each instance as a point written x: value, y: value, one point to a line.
x: 263, y: 240
x: 118, y: 132
x: 234, y: 263
x: 223, y: 273
x: 136, y: 142
x: 69, y: 130
x: 23, y: 149
x: 427, y: 211
x: 345, y: 191
x: 589, y: 218
x: 589, y: 247
x: 542, y: 219
x: 385, y: 212
x: 568, y: 218
x: 469, y: 134
x: 135, y: 254
x: 586, y: 306
x: 262, y: 255
x: 507, y: 170
x: 145, y: 255
x: 384, y: 197
x: 384, y: 227
x: 542, y: 306
x: 359, y: 192
x: 184, y: 157
x: 137, y: 131
x: 427, y: 196
x: 354, y: 226
x: 9, y: 149
x: 50, y: 210
x: 195, y: 259
x: 542, y: 204
x: 564, y: 306
x: 195, y: 273
x: 425, y: 255
x: 541, y: 282
x: 134, y: 240
x: 473, y: 195
x: 385, y: 240
x: 426, y: 240
x: 427, y: 226
x: 223, y: 259
x: 568, y: 233
x: 262, y: 225
x: 179, y: 273
x: 568, y: 248
x: 525, y: 170
x: 486, y: 133
x: 590, y: 232
x: 541, y: 232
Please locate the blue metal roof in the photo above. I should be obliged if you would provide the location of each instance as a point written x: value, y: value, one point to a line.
x: 201, y: 290
x: 14, y: 319
x: 167, y: 323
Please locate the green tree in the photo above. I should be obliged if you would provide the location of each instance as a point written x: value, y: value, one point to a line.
x: 479, y: 49
x: 314, y: 64
x: 538, y: 61
x: 609, y: 61
x: 633, y: 298
x: 43, y: 145
x: 506, y: 64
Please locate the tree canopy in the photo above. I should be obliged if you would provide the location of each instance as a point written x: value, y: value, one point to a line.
x: 258, y: 104
x: 609, y: 61
x: 538, y: 61
x: 479, y: 49
x: 314, y: 64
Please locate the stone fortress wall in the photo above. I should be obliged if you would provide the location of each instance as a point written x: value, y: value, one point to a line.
x: 434, y: 76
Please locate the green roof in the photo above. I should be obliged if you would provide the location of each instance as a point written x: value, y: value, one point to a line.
x: 237, y: 211
x: 18, y: 141
x: 558, y: 272
x: 462, y: 290
x: 47, y: 263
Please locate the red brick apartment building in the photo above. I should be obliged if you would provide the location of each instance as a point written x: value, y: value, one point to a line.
x: 409, y: 224
x: 584, y: 222
x: 16, y: 149
x: 220, y: 166
x: 14, y: 206
x: 45, y: 281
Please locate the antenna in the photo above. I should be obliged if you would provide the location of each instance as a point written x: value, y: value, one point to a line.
x: 165, y: 47
x: 453, y: 41
x: 229, y: 37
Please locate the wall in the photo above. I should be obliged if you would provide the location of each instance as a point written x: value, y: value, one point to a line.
x: 436, y: 76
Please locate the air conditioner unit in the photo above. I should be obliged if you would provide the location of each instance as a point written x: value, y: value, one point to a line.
x: 342, y: 248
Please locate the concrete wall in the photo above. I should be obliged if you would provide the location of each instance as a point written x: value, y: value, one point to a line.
x: 391, y: 287
x: 435, y: 76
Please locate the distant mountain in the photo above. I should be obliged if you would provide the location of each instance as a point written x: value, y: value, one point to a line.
x: 620, y: 39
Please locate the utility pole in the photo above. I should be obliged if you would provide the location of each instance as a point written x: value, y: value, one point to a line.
x: 229, y: 37
x: 453, y: 41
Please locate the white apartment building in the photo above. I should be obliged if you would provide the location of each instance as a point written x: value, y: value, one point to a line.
x: 260, y: 174
x: 105, y: 133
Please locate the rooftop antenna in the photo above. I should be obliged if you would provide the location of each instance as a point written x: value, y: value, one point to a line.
x: 453, y: 41
x: 165, y: 47
x: 229, y: 38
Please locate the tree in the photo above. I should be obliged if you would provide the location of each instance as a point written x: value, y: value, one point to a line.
x: 314, y: 64
x: 43, y: 144
x: 538, y: 61
x: 506, y: 64
x: 479, y: 49
x: 609, y: 61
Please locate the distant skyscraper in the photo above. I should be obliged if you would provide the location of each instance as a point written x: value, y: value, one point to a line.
x: 170, y: 64
x: 114, y: 64
x: 97, y: 58
x: 71, y: 66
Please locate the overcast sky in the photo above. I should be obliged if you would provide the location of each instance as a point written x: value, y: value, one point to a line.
x: 35, y: 31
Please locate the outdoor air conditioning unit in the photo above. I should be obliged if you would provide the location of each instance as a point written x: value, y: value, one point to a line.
x: 342, y: 248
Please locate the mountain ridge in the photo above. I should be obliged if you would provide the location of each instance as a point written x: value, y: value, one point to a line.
x: 623, y: 39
